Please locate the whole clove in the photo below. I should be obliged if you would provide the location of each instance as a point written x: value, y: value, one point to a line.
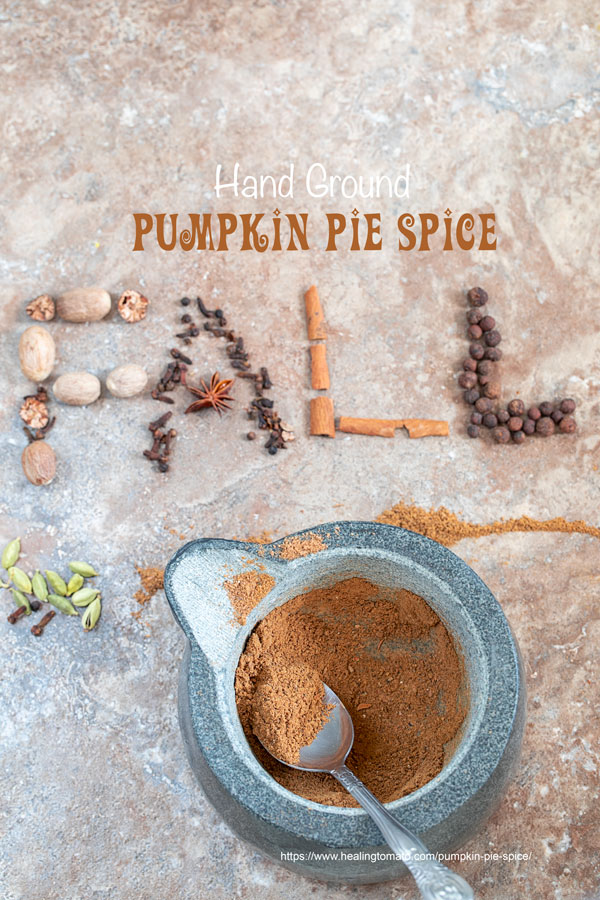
x: 16, y: 614
x: 39, y: 628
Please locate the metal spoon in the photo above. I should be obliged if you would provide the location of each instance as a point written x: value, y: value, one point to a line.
x: 328, y: 753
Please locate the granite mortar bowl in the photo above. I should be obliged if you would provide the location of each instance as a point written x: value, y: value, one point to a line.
x: 290, y: 830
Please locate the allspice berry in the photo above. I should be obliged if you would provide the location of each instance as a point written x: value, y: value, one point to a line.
x: 471, y: 396
x: 567, y: 425
x: 503, y: 416
x: 476, y: 418
x: 476, y: 351
x: 501, y: 434
x: 516, y: 408
x: 493, y: 390
x: 493, y: 353
x: 39, y: 462
x: 473, y: 431
x: 474, y: 332
x: 487, y: 323
x: 469, y: 365
x: 545, y: 426
x: 484, y: 405
x: 474, y: 316
x: 485, y: 367
x: 518, y: 437
x: 490, y: 420
x: 556, y: 416
x: 528, y: 426
x: 534, y: 413
x: 546, y: 408
x: 477, y: 296
x: 515, y: 423
x: 567, y: 406
x: 467, y: 379
x: 492, y: 338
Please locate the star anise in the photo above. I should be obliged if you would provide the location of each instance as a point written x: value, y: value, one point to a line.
x: 214, y: 395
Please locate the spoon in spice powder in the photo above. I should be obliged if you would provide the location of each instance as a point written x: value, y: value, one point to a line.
x: 328, y: 752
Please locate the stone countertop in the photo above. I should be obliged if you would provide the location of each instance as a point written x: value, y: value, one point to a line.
x: 129, y: 107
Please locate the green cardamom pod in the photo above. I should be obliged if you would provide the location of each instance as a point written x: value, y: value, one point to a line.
x: 82, y: 568
x: 90, y: 617
x: 56, y: 583
x: 40, y: 588
x: 75, y: 582
x: 84, y: 597
x: 21, y: 600
x: 11, y: 553
x: 20, y: 580
x: 61, y: 603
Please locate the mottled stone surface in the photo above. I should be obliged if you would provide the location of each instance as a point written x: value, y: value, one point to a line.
x: 129, y: 106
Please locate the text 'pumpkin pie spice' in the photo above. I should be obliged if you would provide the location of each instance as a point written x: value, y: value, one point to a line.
x: 391, y: 661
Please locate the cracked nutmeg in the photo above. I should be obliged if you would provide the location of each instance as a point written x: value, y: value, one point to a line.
x: 34, y: 412
x: 42, y: 309
x: 132, y: 306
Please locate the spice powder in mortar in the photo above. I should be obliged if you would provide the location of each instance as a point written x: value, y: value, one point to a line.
x: 391, y: 661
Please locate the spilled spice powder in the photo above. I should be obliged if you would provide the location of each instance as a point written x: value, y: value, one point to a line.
x: 246, y: 590
x: 152, y: 580
x: 288, y: 708
x: 391, y: 661
x: 295, y: 547
x: 445, y: 527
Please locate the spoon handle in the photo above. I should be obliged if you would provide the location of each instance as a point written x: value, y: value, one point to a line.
x: 433, y: 879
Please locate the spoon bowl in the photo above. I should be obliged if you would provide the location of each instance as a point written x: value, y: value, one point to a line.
x: 328, y: 753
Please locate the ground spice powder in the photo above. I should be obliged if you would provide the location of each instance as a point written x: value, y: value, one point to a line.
x: 246, y: 590
x: 445, y: 527
x: 151, y: 580
x: 288, y: 708
x: 295, y: 547
x: 392, y: 663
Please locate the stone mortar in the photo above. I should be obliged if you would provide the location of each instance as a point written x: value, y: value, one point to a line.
x: 450, y: 808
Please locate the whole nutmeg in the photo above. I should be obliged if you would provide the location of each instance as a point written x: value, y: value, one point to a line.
x: 77, y: 388
x: 567, y: 425
x: 132, y: 306
x: 545, y: 426
x: 83, y: 305
x: 493, y: 389
x: 516, y: 408
x: 501, y: 434
x: 127, y: 380
x: 37, y: 352
x: 477, y: 296
x: 39, y: 462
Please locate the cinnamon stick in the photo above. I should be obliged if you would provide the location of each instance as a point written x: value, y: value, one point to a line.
x: 314, y: 315
x: 321, y: 416
x: 416, y: 428
x: 318, y: 367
